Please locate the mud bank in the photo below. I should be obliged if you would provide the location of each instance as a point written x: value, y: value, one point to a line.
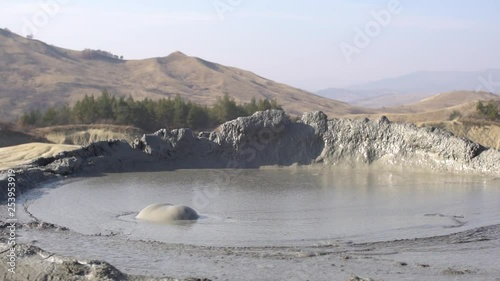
x: 467, y: 255
x: 266, y: 139
x: 34, y: 264
x: 271, y: 138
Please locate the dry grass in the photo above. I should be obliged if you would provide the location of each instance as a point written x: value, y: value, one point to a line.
x: 25, y: 153
x: 21, y: 148
x: 482, y: 132
x: 447, y: 101
x: 437, y: 108
x: 37, y: 75
x: 436, y: 111
x: 86, y: 134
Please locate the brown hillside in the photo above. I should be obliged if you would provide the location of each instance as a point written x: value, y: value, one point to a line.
x: 447, y: 100
x: 438, y: 102
x: 36, y: 75
x: 435, y: 108
x: 437, y: 111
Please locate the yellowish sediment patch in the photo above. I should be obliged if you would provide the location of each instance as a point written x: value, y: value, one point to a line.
x: 86, y: 134
x: 24, y: 153
x: 487, y: 134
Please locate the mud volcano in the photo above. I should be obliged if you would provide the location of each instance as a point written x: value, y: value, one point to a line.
x: 161, y: 212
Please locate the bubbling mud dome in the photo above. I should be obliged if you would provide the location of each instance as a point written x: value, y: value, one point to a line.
x: 167, y: 213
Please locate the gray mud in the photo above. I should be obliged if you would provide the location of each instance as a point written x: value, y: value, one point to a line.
x: 263, y: 139
x: 270, y: 138
x: 468, y: 255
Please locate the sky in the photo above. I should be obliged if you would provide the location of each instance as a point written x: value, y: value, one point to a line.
x: 307, y: 44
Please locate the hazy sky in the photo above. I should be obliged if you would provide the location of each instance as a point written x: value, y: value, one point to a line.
x: 294, y: 42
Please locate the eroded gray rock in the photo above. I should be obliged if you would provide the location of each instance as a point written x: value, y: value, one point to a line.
x: 271, y: 138
x: 35, y: 264
x: 64, y: 166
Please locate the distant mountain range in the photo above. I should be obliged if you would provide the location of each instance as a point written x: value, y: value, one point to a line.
x: 414, y: 87
x: 35, y: 75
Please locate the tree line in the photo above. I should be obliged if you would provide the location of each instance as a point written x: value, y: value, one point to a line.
x: 97, y: 54
x: 146, y: 114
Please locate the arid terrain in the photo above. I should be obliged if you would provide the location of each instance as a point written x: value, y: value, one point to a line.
x: 454, y: 111
x: 119, y: 242
x: 24, y: 153
x: 249, y: 140
x: 86, y: 134
x: 413, y: 87
x: 37, y: 75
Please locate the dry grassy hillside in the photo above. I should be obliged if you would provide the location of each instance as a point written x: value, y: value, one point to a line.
x: 433, y: 109
x: 437, y: 111
x: 445, y: 100
x: 485, y: 133
x: 35, y: 75
x: 423, y: 116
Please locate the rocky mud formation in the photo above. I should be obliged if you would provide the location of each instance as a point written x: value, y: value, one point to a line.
x: 271, y: 138
x: 265, y: 138
x: 36, y: 264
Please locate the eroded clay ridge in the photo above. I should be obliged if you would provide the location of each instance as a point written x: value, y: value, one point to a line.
x: 272, y: 138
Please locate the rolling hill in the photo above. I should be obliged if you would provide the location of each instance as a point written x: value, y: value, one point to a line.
x: 435, y: 108
x: 413, y: 87
x: 438, y: 110
x: 444, y: 101
x: 35, y: 75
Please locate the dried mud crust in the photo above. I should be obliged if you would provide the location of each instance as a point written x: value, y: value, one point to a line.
x: 35, y: 264
x: 328, y: 260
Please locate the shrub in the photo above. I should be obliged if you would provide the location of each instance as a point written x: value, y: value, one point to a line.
x: 455, y: 115
x: 489, y: 111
